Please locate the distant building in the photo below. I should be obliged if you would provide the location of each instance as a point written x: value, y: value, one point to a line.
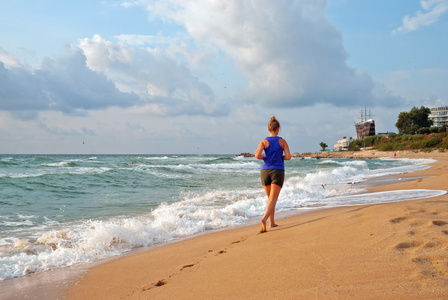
x: 366, y: 127
x: 439, y: 115
x: 343, y: 144
x: 386, y: 134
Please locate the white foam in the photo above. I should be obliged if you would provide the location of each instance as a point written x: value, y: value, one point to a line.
x: 239, y: 157
x: 383, y: 197
x: 217, y: 167
x: 394, y: 170
x: 415, y: 161
x: 156, y: 157
x: 351, y: 162
x: 194, y: 211
x: 95, y: 239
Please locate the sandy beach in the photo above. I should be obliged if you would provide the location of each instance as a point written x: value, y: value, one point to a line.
x: 385, y: 251
x: 435, y: 154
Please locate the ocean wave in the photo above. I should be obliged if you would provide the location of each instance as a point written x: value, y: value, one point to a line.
x: 162, y: 208
x: 394, y: 170
x: 239, y: 157
x: 155, y: 157
x: 351, y: 162
x: 382, y: 197
x: 72, y: 170
x: 17, y: 223
x: 414, y: 161
x: 229, y: 166
x: 216, y: 167
x: 61, y: 164
x: 97, y: 239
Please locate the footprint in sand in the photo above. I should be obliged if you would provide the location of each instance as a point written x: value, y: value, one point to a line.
x: 398, y: 220
x: 439, y: 223
x: 432, y: 244
x: 159, y: 283
x: 162, y: 282
x: 407, y: 245
x: 187, y: 266
x: 423, y: 261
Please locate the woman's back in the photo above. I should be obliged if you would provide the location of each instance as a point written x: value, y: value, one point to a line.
x: 273, y: 155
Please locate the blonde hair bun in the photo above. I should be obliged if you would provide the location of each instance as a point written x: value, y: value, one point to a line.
x: 273, y: 124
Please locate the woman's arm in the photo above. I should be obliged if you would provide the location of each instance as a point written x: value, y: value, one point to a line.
x: 285, y: 147
x: 259, y: 152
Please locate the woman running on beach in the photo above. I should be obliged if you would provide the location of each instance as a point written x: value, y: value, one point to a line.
x: 276, y: 151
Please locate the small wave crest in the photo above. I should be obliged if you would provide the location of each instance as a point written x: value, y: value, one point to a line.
x: 61, y: 164
x: 361, y: 163
x: 97, y: 239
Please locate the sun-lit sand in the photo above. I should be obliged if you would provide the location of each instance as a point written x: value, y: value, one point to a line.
x: 414, y: 154
x: 385, y: 251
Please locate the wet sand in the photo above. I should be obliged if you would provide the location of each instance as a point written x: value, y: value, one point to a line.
x: 414, y: 154
x: 384, y: 251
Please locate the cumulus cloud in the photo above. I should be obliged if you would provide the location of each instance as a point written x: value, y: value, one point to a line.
x: 432, y: 11
x: 287, y: 51
x: 9, y: 60
x: 290, y: 52
x: 63, y: 84
x: 97, y: 74
x: 168, y: 86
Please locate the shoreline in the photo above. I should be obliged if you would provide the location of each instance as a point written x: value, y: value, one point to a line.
x: 92, y: 283
x: 368, y: 154
x: 392, y: 250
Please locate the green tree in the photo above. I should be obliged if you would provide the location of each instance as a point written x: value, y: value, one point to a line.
x: 410, y: 122
x: 323, y: 145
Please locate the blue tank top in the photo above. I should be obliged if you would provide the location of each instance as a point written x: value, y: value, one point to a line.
x: 273, y: 155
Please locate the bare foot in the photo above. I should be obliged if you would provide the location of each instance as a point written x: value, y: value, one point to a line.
x: 273, y: 225
x: 263, y: 226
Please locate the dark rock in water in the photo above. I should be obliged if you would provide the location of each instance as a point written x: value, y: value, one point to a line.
x: 246, y: 154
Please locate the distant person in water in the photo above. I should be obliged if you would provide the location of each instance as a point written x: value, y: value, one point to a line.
x: 276, y: 151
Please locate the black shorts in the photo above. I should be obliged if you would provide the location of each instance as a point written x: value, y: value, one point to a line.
x: 272, y: 176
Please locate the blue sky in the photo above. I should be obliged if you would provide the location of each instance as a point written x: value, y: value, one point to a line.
x: 205, y: 76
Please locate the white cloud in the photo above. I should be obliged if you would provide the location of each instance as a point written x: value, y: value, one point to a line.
x: 289, y: 51
x: 99, y: 74
x: 142, y: 40
x: 168, y: 85
x: 9, y: 60
x: 62, y: 84
x: 433, y: 10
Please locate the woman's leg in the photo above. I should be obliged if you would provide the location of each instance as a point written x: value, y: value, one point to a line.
x: 272, y: 191
x: 267, y: 188
x: 268, y: 193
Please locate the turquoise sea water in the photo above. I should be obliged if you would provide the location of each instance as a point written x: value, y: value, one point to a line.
x: 59, y: 210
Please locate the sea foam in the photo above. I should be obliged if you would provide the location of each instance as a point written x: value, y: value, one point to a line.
x: 208, y: 193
